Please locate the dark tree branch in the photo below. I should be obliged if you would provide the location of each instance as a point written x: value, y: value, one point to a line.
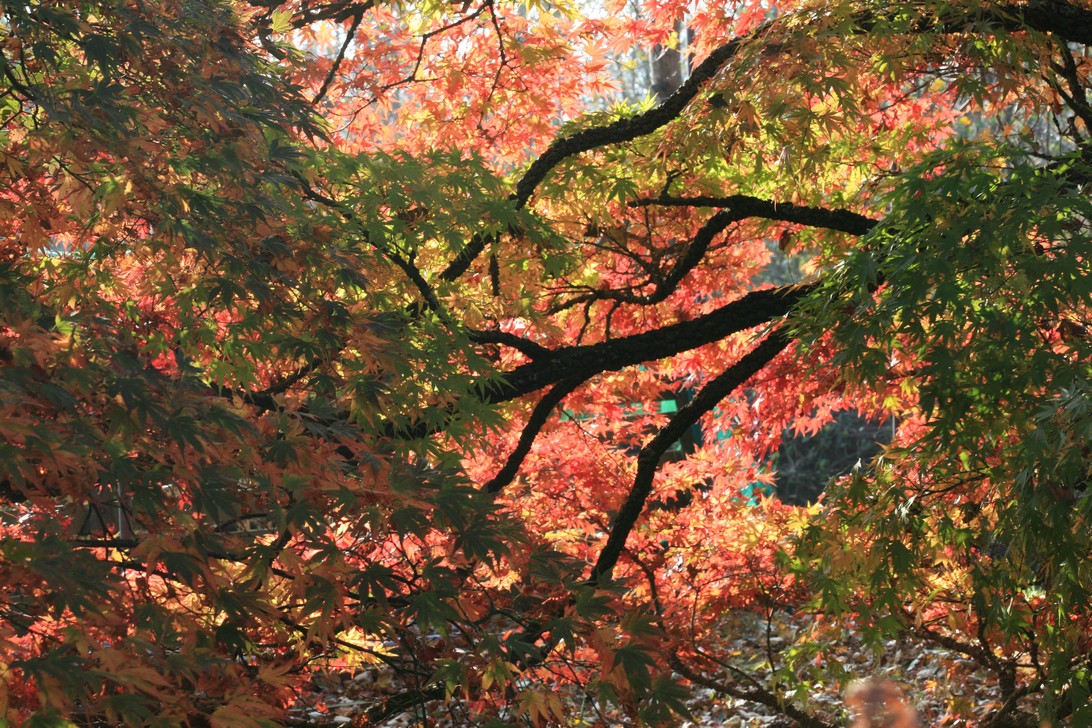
x: 539, y: 416
x: 1061, y: 18
x: 466, y: 256
x: 349, y: 35
x: 648, y: 460
x: 625, y: 130
x: 528, y: 348
x: 1076, y: 98
x: 583, y: 362
x: 402, y: 702
x: 264, y: 401
x: 1058, y: 17
x: 10, y: 493
x: 580, y: 363
x: 975, y: 652
x: 738, y: 207
x: 745, y: 206
x: 691, y: 257
x: 337, y: 12
x: 283, y: 385
x: 16, y: 83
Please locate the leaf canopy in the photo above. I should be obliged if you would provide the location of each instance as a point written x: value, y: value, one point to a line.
x: 422, y: 338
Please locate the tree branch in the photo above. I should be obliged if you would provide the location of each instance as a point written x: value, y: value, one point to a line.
x: 691, y: 257
x: 401, y: 702
x: 1064, y: 19
x: 466, y: 256
x: 648, y: 460
x: 1059, y: 17
x: 744, y: 206
x: 539, y: 416
x: 338, y: 11
x: 625, y: 130
x: 528, y: 348
x: 349, y: 35
x: 583, y: 362
x: 405, y: 265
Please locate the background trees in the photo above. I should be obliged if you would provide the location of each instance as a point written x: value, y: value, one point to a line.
x: 336, y: 332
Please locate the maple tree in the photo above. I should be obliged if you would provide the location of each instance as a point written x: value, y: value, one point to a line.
x: 340, y: 332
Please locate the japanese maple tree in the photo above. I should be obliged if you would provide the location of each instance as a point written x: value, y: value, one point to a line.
x: 341, y: 332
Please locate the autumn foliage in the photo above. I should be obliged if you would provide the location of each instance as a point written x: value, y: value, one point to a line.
x: 340, y: 333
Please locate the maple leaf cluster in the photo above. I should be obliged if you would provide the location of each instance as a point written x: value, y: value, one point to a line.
x: 339, y: 333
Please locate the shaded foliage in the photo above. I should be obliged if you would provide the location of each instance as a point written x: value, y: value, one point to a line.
x: 805, y: 464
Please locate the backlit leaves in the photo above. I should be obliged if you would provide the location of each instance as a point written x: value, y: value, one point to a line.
x: 286, y: 289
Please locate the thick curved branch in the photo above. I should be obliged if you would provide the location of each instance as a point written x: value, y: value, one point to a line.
x: 572, y: 363
x: 466, y: 256
x: 528, y: 348
x: 338, y: 11
x: 695, y: 253
x: 736, y: 208
x: 625, y: 130
x: 745, y: 206
x: 340, y: 58
x: 540, y: 415
x: 583, y: 362
x: 648, y: 460
x: 1063, y: 19
x: 580, y: 363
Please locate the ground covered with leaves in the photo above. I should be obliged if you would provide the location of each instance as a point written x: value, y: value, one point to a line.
x: 945, y: 688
